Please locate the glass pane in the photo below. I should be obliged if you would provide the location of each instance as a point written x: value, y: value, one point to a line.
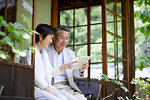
x: 66, y: 17
x: 24, y: 15
x: 120, y: 69
x: 110, y: 48
x: 96, y: 69
x: 110, y: 27
x: 70, y: 47
x: 81, y: 16
x: 96, y: 14
x: 119, y: 10
x: 110, y: 5
x: 110, y: 17
x: 81, y: 35
x: 125, y: 64
x: 111, y: 68
x: 96, y: 53
x: 110, y: 44
x: 119, y: 26
x: 96, y: 33
x: 110, y: 59
x: 120, y: 48
x: 111, y: 22
x: 71, y: 37
x: 110, y: 38
x: 81, y: 50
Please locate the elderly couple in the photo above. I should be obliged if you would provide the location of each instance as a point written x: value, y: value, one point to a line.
x: 54, y: 61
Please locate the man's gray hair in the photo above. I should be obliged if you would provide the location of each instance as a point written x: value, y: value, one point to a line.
x: 61, y: 27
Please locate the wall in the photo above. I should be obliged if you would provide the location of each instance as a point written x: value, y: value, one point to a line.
x: 43, y: 12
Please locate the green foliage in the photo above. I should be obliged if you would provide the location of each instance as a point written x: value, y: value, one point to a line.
x: 144, y: 85
x: 15, y: 34
x: 105, y: 77
x: 142, y: 36
x: 143, y: 14
x: 142, y: 62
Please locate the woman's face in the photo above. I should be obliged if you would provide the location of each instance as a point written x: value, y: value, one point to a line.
x: 47, y: 41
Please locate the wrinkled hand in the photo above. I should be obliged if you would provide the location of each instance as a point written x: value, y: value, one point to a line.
x: 69, y: 65
x: 84, y: 66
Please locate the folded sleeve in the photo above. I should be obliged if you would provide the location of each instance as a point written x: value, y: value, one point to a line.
x: 39, y: 79
x: 39, y: 75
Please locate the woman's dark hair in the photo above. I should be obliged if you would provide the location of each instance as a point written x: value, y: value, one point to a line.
x: 44, y: 30
x: 61, y: 27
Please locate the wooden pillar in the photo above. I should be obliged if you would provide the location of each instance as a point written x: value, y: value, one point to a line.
x: 54, y: 13
x: 131, y: 43
x: 104, y: 47
x: 88, y: 38
x: 33, y: 41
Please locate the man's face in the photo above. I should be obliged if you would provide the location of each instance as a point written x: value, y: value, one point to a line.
x: 61, y: 40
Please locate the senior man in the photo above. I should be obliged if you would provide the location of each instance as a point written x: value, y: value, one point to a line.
x: 60, y: 55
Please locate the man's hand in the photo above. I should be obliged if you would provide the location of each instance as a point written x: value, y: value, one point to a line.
x: 67, y: 66
x: 84, y: 66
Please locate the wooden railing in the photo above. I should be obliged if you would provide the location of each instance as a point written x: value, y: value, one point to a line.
x: 17, y: 80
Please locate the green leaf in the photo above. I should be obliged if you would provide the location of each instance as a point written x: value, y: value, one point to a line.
x: 142, y: 29
x: 140, y: 3
x: 26, y: 36
x: 1, y: 18
x: 7, y: 39
x: 22, y: 53
x: 11, y: 44
x: 2, y: 55
x: 9, y: 28
x: 2, y: 33
x: 18, y: 26
x: 3, y: 23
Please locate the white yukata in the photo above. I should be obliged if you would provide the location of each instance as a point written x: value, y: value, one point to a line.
x: 43, y: 75
x: 71, y: 91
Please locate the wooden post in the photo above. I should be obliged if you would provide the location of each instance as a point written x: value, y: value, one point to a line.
x: 33, y: 41
x: 104, y: 46
x: 131, y: 44
x: 88, y: 41
x: 54, y: 13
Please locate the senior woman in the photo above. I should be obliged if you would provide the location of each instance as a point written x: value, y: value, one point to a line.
x: 43, y: 69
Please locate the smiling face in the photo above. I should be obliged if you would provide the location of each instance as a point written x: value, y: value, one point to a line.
x: 47, y: 41
x: 61, y: 40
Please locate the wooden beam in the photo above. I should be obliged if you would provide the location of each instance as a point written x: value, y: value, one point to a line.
x: 19, y: 65
x: 54, y: 13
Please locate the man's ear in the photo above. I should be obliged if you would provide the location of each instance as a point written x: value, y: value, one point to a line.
x: 54, y: 38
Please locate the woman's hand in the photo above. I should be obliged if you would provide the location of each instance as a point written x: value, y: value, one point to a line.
x: 50, y: 91
x: 67, y: 66
x: 54, y: 93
